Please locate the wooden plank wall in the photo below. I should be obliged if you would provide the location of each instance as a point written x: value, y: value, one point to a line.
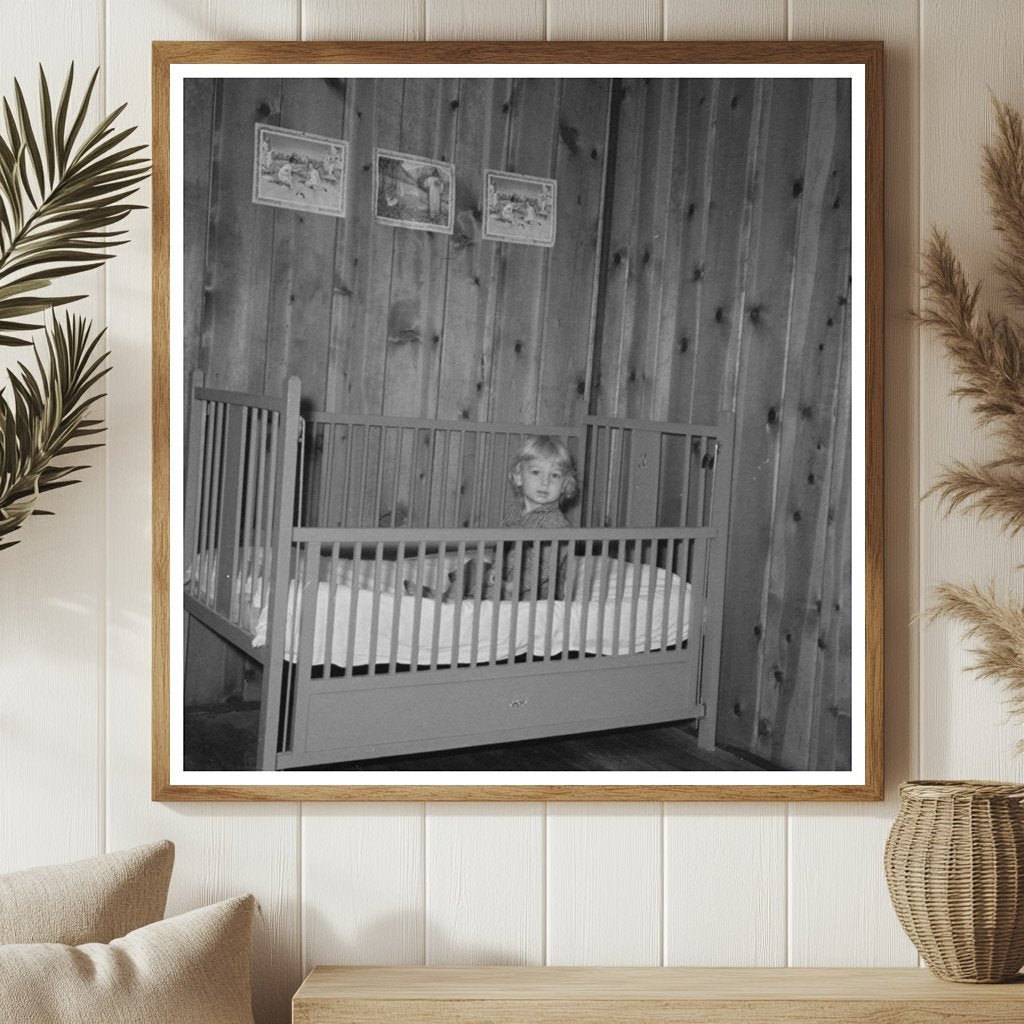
x: 724, y: 288
x: 722, y: 211
x: 375, y: 318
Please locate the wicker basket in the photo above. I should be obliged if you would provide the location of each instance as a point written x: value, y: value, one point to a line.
x: 954, y: 861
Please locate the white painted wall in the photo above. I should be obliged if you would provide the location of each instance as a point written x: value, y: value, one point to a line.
x: 508, y: 883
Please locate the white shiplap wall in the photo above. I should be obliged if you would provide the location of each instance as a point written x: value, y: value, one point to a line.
x: 507, y: 883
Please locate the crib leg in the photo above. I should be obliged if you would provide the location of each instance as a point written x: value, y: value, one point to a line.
x: 706, y: 729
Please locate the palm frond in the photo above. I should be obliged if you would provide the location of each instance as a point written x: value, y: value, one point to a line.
x: 46, y: 420
x: 61, y: 194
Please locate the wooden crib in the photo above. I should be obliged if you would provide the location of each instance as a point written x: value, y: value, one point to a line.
x: 308, y: 540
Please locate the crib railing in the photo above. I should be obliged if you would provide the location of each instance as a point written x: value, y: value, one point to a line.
x: 391, y: 471
x: 357, y: 607
x: 241, y: 465
x: 639, y: 473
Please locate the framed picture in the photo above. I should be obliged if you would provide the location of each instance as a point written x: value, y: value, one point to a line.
x: 596, y: 517
x: 519, y: 208
x: 299, y: 171
x: 413, y: 192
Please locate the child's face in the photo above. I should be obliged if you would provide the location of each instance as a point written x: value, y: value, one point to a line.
x: 541, y: 482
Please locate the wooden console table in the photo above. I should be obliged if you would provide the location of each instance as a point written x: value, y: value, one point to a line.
x: 639, y: 995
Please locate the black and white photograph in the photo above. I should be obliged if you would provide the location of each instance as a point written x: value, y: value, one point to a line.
x: 456, y: 509
x: 519, y: 208
x: 413, y: 192
x: 299, y: 171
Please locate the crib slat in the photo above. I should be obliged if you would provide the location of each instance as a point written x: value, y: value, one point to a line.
x: 245, y: 583
x: 637, y: 564
x: 203, y: 567
x: 275, y: 436
x: 379, y: 470
x: 459, y: 585
x: 353, y: 608
x: 435, y: 637
x: 684, y: 574
x: 399, y: 433
x: 198, y: 475
x: 569, y: 583
x: 585, y: 592
x: 532, y: 597
x: 341, y: 481
x: 671, y: 553
x: 517, y: 573
x: 231, y: 515
x: 360, y: 493
x: 702, y: 476
x: 375, y: 606
x: 417, y: 609
x: 684, y: 497
x: 652, y: 567
x: 332, y: 595
x: 478, y: 589
x: 499, y: 576
x: 620, y: 579
x: 396, y: 609
x: 602, y: 604
x: 552, y: 587
x: 215, y: 509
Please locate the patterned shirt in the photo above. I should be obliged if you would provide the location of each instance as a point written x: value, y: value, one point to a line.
x: 545, y: 517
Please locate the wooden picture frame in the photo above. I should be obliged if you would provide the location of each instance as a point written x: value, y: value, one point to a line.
x: 319, y: 494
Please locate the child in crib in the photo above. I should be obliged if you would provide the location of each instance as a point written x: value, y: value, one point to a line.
x: 543, y: 477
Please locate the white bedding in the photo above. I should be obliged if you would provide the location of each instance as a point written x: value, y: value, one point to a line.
x: 592, y: 599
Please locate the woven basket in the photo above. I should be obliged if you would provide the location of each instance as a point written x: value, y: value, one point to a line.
x: 954, y: 861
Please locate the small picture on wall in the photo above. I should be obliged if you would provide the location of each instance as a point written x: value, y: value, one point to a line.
x: 519, y: 208
x: 413, y: 191
x: 299, y: 171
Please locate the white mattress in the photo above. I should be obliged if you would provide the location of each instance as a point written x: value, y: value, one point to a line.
x: 396, y: 616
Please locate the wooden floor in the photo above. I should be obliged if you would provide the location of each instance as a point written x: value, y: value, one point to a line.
x: 224, y: 739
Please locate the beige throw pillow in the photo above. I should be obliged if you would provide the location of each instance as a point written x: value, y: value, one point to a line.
x: 190, y: 969
x: 92, y: 900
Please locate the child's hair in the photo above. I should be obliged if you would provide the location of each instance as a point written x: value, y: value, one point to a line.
x: 543, y: 446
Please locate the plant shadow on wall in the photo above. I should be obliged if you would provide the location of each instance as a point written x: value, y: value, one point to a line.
x: 62, y: 191
x: 987, y: 355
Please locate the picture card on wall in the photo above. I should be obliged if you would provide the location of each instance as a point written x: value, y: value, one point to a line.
x: 413, y: 191
x: 299, y: 171
x: 519, y: 208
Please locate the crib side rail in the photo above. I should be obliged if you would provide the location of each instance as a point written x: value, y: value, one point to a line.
x: 371, y: 602
x: 237, y: 454
x: 642, y: 473
x: 374, y: 470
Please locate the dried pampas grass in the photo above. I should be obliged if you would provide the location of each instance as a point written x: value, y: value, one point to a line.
x: 987, y: 354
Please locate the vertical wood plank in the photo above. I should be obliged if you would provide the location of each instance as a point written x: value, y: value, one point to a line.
x: 827, y: 844
x: 728, y: 19
x: 591, y: 19
x: 721, y: 910
x: 768, y: 330
x: 419, y: 265
x: 467, y: 346
x: 470, y: 19
x: 523, y: 268
x: 811, y: 428
x: 240, y: 239
x: 955, y: 120
x: 604, y: 883
x: 362, y: 891
x: 215, y: 843
x: 568, y: 326
x: 52, y: 582
x: 301, y: 285
x: 485, y: 884
x: 388, y: 19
